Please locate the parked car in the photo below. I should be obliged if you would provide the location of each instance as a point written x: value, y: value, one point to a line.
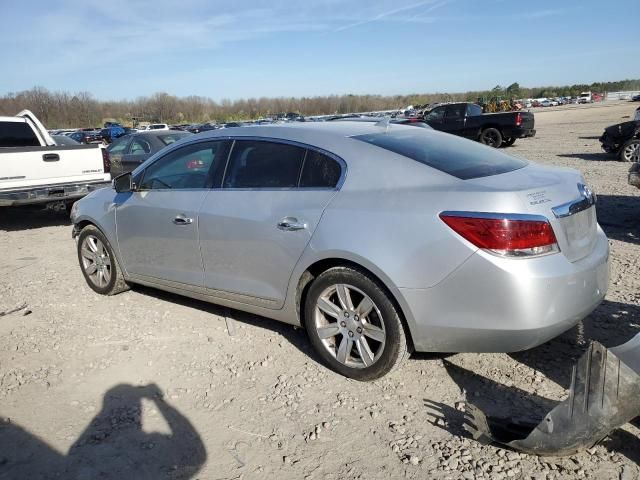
x: 376, y: 239
x: 127, y: 152
x: 585, y: 97
x: 64, y: 140
x: 112, y: 132
x: 635, y: 98
x: 157, y: 126
x: 35, y: 169
x: 87, y: 136
x: 623, y: 139
x: 492, y: 129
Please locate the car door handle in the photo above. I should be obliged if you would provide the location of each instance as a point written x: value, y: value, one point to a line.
x: 51, y: 157
x: 290, y: 224
x: 182, y: 220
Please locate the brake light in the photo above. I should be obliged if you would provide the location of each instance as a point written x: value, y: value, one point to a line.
x: 518, y: 119
x: 505, y: 235
x: 106, y: 161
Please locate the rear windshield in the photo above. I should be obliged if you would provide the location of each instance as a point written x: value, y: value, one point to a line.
x: 458, y: 157
x: 17, y: 134
x: 169, y: 138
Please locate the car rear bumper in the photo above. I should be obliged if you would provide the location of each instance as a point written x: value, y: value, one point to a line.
x: 494, y: 304
x: 49, y: 193
x: 524, y: 132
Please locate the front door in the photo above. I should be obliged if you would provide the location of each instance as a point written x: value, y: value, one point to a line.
x: 157, y: 224
x: 254, y: 229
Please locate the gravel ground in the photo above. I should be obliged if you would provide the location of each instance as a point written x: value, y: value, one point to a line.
x: 150, y: 385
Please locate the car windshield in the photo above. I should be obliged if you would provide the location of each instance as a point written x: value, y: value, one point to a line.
x: 446, y: 153
x: 169, y: 138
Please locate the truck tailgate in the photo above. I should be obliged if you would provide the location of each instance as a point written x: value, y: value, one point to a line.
x: 25, y: 167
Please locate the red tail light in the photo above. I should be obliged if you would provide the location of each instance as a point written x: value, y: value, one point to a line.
x: 518, y: 119
x: 106, y: 161
x: 507, y: 235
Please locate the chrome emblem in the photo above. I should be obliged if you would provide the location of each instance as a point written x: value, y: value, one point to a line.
x: 587, y: 193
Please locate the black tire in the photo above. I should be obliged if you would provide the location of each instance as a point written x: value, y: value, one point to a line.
x: 387, y: 356
x: 115, y: 282
x: 630, y: 151
x: 507, y: 142
x: 491, y: 137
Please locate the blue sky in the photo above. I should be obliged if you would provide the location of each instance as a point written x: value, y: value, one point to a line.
x: 119, y: 49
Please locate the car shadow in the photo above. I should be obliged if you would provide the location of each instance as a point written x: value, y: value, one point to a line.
x: 611, y: 324
x: 113, y: 445
x: 619, y: 217
x: 593, y: 157
x: 294, y: 335
x: 28, y: 218
x: 590, y: 137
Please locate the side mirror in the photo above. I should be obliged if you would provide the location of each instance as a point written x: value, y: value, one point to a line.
x: 122, y: 183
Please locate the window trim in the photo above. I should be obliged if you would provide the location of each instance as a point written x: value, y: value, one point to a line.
x: 307, y: 147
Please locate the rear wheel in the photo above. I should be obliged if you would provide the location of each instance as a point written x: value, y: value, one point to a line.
x: 509, y: 141
x: 99, y: 265
x: 353, y: 324
x: 491, y: 137
x: 630, y: 151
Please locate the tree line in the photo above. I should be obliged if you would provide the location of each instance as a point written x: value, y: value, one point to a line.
x: 81, y: 109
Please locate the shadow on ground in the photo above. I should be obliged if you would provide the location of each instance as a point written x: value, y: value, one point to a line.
x: 296, y: 336
x: 113, y: 446
x: 27, y: 218
x: 619, y: 216
x: 593, y: 157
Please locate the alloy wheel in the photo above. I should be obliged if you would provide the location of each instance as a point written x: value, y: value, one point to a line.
x: 350, y: 326
x: 631, y: 152
x: 96, y: 261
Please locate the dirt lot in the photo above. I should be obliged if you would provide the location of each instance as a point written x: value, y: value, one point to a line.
x: 244, y: 397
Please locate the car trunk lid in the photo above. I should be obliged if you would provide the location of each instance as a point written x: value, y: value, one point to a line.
x: 560, y: 196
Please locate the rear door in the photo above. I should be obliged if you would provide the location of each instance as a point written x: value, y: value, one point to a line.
x: 157, y: 225
x: 254, y: 228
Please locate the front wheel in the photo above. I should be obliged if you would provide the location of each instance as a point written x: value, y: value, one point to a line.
x: 630, y: 151
x: 98, y: 263
x: 353, y: 324
x: 491, y: 137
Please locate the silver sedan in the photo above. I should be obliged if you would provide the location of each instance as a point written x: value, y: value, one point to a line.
x: 378, y: 239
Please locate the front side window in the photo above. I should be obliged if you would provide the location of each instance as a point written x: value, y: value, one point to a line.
x: 260, y: 164
x: 119, y: 146
x: 185, y: 168
x: 17, y: 134
x: 435, y: 115
x: 319, y: 171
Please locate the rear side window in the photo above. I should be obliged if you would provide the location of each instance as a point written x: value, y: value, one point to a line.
x: 17, y: 134
x: 319, y: 171
x: 455, y: 111
x: 258, y: 164
x: 458, y: 157
x: 473, y: 110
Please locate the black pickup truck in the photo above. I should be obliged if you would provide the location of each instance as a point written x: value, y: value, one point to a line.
x: 493, y: 129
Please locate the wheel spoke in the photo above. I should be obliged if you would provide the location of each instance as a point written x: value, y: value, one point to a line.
x: 344, y: 295
x: 91, y: 269
x: 366, y: 355
x: 86, y: 253
x: 106, y: 274
x: 364, y: 307
x: 100, y: 277
x: 92, y: 242
x: 329, y: 307
x: 328, y: 331
x: 373, y: 332
x: 344, y: 349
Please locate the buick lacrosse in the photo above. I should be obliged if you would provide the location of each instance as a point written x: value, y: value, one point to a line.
x: 378, y: 239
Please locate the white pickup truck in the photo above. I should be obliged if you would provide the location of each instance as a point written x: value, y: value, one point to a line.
x: 34, y: 170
